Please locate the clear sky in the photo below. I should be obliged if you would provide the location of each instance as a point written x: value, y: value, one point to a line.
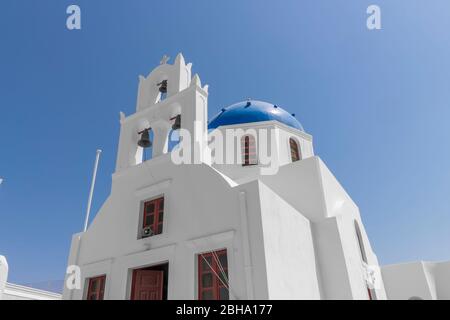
x: 376, y: 102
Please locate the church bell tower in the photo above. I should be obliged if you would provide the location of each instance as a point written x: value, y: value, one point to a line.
x: 168, y: 99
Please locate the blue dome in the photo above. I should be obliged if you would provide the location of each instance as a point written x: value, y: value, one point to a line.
x: 253, y: 111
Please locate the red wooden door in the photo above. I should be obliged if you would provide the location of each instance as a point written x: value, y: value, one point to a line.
x: 147, y: 285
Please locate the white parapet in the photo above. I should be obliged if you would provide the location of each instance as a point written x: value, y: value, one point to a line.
x: 3, y: 275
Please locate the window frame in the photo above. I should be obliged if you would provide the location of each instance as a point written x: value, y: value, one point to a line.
x: 216, y: 283
x: 158, y: 222
x: 248, y: 142
x: 100, y: 290
x: 297, y: 151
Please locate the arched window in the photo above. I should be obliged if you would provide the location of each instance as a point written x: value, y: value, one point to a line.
x: 362, y: 250
x: 295, y: 150
x: 360, y: 242
x: 248, y: 150
x: 144, y: 150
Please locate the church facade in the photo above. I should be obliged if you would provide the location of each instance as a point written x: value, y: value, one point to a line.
x: 216, y: 226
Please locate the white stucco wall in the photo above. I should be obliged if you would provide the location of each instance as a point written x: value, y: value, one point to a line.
x: 334, y: 278
x: 288, y: 249
x: 425, y: 280
x: 300, y: 184
x: 279, y: 152
x: 407, y: 280
x: 442, y: 279
x: 199, y: 217
x: 324, y: 263
x: 311, y: 188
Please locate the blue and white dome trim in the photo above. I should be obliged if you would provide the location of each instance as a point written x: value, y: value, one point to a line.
x: 253, y: 111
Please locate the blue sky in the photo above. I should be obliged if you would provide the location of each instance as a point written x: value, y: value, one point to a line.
x: 376, y: 102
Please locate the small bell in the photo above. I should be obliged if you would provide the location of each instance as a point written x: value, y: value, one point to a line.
x: 145, y: 142
x: 177, y: 124
x: 163, y: 86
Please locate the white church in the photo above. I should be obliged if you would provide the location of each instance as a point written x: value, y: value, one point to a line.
x: 237, y: 229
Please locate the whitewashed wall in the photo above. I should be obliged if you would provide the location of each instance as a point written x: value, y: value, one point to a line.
x: 424, y: 280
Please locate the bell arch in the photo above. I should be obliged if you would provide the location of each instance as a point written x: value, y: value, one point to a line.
x: 138, y: 152
x: 164, y: 81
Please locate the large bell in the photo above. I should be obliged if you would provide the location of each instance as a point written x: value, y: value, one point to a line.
x: 177, y: 124
x: 145, y: 142
x: 163, y: 86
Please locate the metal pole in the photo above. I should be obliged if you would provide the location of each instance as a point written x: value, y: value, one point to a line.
x: 91, y: 192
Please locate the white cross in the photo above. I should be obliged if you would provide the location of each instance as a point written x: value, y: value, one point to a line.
x: 164, y: 59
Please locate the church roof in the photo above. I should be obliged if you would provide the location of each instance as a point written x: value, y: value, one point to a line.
x: 253, y: 111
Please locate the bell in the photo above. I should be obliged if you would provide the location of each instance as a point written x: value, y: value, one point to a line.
x: 177, y: 124
x: 163, y: 86
x: 145, y: 142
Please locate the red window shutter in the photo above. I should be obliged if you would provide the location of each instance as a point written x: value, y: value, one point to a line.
x: 248, y: 150
x: 154, y: 215
x: 295, y: 152
x: 213, y: 276
x: 96, y: 288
